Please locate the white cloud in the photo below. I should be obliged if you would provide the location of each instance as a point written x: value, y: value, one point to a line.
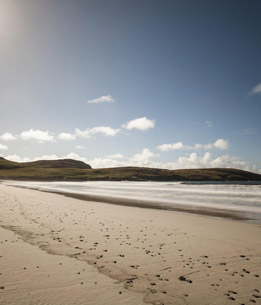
x: 105, y: 130
x: 143, y: 158
x: 102, y: 99
x: 3, y: 147
x: 73, y: 155
x: 206, y: 161
x: 207, y: 146
x: 105, y: 163
x: 83, y: 134
x: 116, y: 156
x: 193, y: 161
x: 79, y: 147
x: 198, y: 146
x: 225, y: 161
x: 209, y: 124
x: 221, y: 144
x: 140, y: 123
x: 7, y: 136
x: 38, y: 135
x: 231, y: 161
x: 17, y: 158
x: 44, y: 157
x: 14, y: 158
x: 256, y: 90
x: 66, y: 136
x: 171, y: 146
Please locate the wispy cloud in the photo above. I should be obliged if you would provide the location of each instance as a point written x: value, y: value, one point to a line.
x: 102, y: 99
x: 37, y: 135
x: 249, y: 131
x: 140, y: 124
x: 209, y: 124
x: 256, y: 90
x: 7, y: 136
x: 220, y: 143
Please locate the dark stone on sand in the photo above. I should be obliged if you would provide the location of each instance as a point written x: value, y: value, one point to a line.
x: 231, y: 298
x: 182, y: 278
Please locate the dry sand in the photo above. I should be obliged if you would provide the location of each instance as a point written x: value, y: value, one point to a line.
x: 59, y: 250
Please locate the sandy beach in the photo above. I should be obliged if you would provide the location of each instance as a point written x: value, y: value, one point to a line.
x: 60, y: 250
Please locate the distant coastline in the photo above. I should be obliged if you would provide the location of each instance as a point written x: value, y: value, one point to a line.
x: 73, y: 170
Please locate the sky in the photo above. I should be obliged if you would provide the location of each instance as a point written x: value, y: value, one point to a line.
x: 168, y: 84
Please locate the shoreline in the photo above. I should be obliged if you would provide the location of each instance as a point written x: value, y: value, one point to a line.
x: 229, y: 214
x: 141, y: 255
x: 201, y: 211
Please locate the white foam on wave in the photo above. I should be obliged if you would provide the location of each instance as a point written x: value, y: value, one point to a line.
x: 238, y: 197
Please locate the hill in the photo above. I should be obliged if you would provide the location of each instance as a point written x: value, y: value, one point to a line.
x: 73, y: 170
x: 62, y: 163
x: 6, y: 164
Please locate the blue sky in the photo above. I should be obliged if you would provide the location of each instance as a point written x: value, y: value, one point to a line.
x: 175, y: 83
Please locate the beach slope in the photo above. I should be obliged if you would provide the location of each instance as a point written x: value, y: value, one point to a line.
x: 60, y: 250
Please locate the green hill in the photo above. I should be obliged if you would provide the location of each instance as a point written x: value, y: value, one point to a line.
x: 73, y: 170
x: 62, y: 163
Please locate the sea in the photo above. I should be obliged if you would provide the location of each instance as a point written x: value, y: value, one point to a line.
x: 236, y: 200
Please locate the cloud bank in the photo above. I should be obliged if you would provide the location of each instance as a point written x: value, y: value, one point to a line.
x: 146, y: 158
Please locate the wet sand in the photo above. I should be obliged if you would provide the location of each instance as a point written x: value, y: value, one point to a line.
x: 60, y: 250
